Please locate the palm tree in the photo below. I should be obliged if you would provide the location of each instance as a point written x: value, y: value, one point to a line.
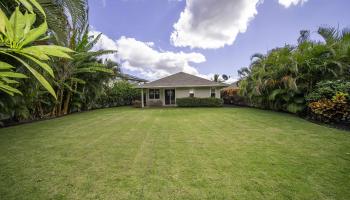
x: 71, y: 73
x: 219, y: 79
x: 281, y: 78
x: 225, y: 77
x: 216, y: 77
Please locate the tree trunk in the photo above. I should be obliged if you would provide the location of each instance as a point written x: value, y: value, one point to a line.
x: 66, y: 103
x: 59, y: 106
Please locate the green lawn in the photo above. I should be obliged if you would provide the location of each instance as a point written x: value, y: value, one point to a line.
x: 201, y: 153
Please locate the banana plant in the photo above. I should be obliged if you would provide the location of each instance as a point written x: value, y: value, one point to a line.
x: 18, y: 46
x: 72, y: 74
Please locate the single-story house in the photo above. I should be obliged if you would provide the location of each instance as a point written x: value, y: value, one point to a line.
x: 165, y: 91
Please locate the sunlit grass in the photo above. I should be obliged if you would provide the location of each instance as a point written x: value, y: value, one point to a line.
x: 209, y: 153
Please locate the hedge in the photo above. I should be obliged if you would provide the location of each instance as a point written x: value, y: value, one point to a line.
x: 199, y: 102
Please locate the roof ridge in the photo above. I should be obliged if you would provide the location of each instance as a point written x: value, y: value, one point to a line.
x: 165, y: 77
x: 183, y: 79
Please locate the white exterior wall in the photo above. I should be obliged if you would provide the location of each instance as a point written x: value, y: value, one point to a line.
x: 200, y: 92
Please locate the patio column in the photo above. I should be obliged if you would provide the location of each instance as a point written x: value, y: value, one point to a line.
x: 142, y: 104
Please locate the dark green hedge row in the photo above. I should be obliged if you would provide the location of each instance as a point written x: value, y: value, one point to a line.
x: 199, y: 102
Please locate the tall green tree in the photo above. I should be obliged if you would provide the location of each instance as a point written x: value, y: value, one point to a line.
x: 282, y: 78
x: 70, y: 74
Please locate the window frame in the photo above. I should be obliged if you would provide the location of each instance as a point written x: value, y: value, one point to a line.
x: 211, y: 92
x: 153, y: 93
x: 191, y: 93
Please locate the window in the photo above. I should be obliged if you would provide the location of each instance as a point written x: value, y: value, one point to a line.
x: 154, y: 93
x: 212, y: 92
x: 191, y: 93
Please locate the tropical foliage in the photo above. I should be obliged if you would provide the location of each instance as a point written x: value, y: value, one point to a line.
x: 120, y: 94
x: 230, y: 95
x: 17, y: 36
x: 282, y: 78
x: 330, y: 101
x: 47, y: 65
x: 219, y: 79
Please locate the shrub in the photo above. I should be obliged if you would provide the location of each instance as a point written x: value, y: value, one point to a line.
x: 137, y: 104
x: 329, y: 102
x: 328, y: 89
x: 121, y: 93
x: 199, y: 102
x: 155, y: 103
x: 231, y: 96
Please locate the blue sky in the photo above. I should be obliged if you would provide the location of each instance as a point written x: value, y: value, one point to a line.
x: 210, y: 36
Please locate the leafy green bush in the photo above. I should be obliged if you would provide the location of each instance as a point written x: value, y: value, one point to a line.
x: 330, y: 102
x: 120, y: 94
x: 230, y: 95
x: 137, y: 104
x: 199, y: 102
x: 328, y: 89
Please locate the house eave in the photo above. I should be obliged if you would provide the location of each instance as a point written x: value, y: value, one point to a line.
x: 181, y: 86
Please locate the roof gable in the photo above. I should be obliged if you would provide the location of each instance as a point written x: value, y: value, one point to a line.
x: 182, y: 79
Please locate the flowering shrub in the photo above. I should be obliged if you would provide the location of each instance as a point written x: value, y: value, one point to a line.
x: 336, y: 109
x: 230, y: 95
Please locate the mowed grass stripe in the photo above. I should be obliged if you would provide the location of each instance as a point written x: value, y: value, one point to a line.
x: 199, y: 153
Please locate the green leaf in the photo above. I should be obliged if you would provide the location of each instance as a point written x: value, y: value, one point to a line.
x: 9, y: 81
x: 78, y: 80
x: 42, y: 80
x: 2, y: 21
x: 37, y: 75
x: 7, y: 28
x: 4, y: 65
x: 68, y: 87
x: 275, y: 93
x: 18, y: 23
x: 299, y: 100
x: 38, y: 6
x: 27, y: 5
x: 9, y: 90
x: 51, y: 50
x: 102, y: 69
x: 295, y: 108
x: 12, y: 75
x: 43, y: 65
x: 93, y: 70
x: 36, y: 53
x: 34, y: 34
x: 29, y: 21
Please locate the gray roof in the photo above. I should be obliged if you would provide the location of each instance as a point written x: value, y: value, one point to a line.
x: 182, y: 79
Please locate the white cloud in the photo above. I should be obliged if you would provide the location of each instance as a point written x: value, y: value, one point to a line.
x: 287, y: 3
x: 231, y: 80
x: 105, y: 43
x: 141, y: 57
x: 212, y: 24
